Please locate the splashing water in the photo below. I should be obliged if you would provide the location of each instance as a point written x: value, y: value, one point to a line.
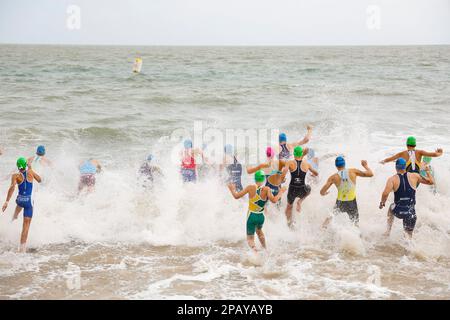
x: 188, y: 241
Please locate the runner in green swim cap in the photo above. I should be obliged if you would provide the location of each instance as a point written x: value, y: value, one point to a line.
x: 298, y: 188
x: 427, y: 160
x: 411, y: 141
x: 258, y: 195
x: 298, y: 152
x: 259, y: 176
x: 413, y: 156
x: 24, y: 179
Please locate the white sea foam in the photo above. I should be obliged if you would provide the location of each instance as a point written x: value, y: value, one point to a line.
x: 356, y: 110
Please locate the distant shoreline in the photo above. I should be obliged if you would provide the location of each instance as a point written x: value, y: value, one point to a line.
x: 223, y: 46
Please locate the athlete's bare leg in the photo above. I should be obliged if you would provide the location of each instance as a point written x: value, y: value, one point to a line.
x: 288, y: 213
x: 326, y: 222
x: 251, y: 242
x: 24, y: 235
x: 390, y: 221
x: 16, y: 213
x: 299, y: 204
x: 261, y: 237
x: 408, y: 234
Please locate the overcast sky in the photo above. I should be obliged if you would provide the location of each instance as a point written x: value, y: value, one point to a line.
x: 226, y: 22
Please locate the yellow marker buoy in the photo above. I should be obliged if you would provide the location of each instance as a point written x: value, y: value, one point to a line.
x: 137, y: 66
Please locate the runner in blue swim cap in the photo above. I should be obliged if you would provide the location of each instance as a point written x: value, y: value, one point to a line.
x: 39, y: 161
x: 404, y: 185
x: 233, y: 167
x: 149, y: 172
x: 285, y: 148
x: 88, y: 171
x: 345, y: 182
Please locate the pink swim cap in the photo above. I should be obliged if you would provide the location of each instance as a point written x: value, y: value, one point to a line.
x: 270, y: 152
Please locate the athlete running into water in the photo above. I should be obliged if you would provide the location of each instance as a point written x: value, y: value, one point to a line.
x: 205, y: 169
x: 314, y: 161
x: 188, y: 165
x: 233, y: 167
x: 285, y: 149
x: 258, y: 195
x: 38, y: 161
x: 412, y: 156
x: 149, y: 172
x: 273, y: 169
x: 297, y: 187
x: 345, y: 182
x: 24, y: 179
x: 88, y: 170
x: 404, y: 185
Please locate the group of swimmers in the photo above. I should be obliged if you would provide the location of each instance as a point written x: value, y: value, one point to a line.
x: 29, y: 170
x: 412, y: 167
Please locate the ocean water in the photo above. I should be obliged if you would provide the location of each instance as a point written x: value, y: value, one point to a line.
x: 188, y: 241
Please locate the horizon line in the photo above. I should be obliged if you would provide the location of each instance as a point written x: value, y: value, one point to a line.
x: 223, y: 45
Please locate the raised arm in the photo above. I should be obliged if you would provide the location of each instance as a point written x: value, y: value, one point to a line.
x: 437, y: 153
x: 97, y: 164
x: 326, y: 186
x: 238, y: 195
x: 306, y: 139
x: 29, y: 162
x: 390, y: 159
x: 251, y: 170
x: 329, y: 155
x: 313, y: 171
x: 11, y: 189
x: 36, y: 176
x: 367, y: 173
x: 205, y: 158
x: 47, y: 162
x: 198, y: 152
x: 158, y: 171
x: 284, y: 171
x: 387, y: 190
